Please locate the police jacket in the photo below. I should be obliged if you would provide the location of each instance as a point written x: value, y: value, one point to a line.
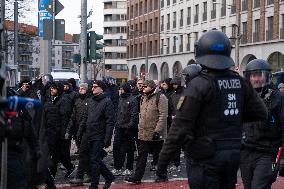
x: 210, y: 114
x: 99, y: 119
x: 266, y: 136
x: 21, y: 129
x: 76, y: 121
x: 127, y: 112
x: 56, y: 114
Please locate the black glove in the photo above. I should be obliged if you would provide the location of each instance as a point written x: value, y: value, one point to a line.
x: 156, y: 136
x: 107, y: 143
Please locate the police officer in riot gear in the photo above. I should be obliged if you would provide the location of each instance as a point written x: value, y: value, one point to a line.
x: 261, y: 140
x: 190, y: 72
x: 210, y: 115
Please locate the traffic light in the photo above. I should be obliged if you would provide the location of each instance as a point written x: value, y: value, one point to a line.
x: 92, y: 46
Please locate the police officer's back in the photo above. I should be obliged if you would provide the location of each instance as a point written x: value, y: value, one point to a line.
x: 209, y: 117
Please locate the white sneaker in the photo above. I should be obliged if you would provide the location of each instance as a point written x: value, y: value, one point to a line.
x: 116, y: 172
x: 127, y: 172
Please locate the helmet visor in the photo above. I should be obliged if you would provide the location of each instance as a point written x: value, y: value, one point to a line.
x: 258, y: 78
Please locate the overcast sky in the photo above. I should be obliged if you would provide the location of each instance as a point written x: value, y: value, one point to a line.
x: 72, y: 8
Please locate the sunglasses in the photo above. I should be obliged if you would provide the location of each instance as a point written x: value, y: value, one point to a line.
x: 95, y: 86
x: 145, y: 86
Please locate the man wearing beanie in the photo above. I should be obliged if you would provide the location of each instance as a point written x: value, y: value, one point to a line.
x: 125, y: 131
x: 56, y: 116
x: 75, y: 129
x: 99, y: 122
x: 152, y: 127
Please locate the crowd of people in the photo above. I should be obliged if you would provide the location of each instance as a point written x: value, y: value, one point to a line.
x: 221, y: 120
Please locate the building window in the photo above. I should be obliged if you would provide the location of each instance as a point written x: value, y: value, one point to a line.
x: 146, y: 7
x: 162, y: 23
x: 188, y: 42
x: 181, y: 18
x: 156, y: 25
x: 196, y: 13
x: 168, y: 45
x: 233, y: 7
x: 223, y: 8
x: 213, y: 11
x: 223, y: 29
x: 269, y: 32
x: 162, y: 3
x: 162, y: 46
x: 256, y: 30
x: 269, y: 2
x: 188, y: 16
x: 244, y: 33
x: 244, y: 5
x: 256, y: 4
x: 181, y: 43
x: 282, y: 27
x: 175, y: 44
x: 168, y: 2
x: 174, y: 19
x: 168, y: 21
x: 150, y: 26
x: 204, y: 16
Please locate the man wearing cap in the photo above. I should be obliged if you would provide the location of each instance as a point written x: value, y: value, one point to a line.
x: 99, y: 122
x: 125, y: 130
x: 152, y: 127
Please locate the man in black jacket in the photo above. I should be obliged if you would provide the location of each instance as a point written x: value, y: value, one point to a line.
x: 56, y: 116
x: 125, y: 130
x: 99, y: 122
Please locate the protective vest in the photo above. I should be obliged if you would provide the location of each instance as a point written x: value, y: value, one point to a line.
x: 218, y: 126
x: 265, y: 136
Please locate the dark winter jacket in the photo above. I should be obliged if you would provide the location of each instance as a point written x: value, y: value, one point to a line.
x: 76, y: 121
x: 56, y: 116
x: 127, y: 114
x: 175, y: 98
x: 99, y: 119
x: 138, y: 95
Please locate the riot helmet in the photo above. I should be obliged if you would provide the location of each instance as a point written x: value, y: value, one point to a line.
x: 190, y: 72
x: 213, y: 50
x: 47, y: 78
x: 258, y: 72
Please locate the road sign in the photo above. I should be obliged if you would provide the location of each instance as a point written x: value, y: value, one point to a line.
x: 58, y: 7
x: 59, y: 29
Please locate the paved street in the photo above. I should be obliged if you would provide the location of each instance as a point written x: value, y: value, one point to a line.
x: 177, y: 180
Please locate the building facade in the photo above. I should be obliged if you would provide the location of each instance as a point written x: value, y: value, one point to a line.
x: 115, y: 39
x: 143, y: 34
x: 258, y: 25
x: 28, y: 63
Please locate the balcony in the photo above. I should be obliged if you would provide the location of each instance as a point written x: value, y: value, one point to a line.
x: 269, y: 35
x: 181, y: 23
x: 281, y: 33
x: 204, y: 16
x: 174, y: 24
x: 188, y: 47
x: 188, y: 20
x: 223, y: 11
x: 174, y: 49
x: 213, y: 14
x: 181, y: 48
x: 195, y: 19
x: 256, y: 37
